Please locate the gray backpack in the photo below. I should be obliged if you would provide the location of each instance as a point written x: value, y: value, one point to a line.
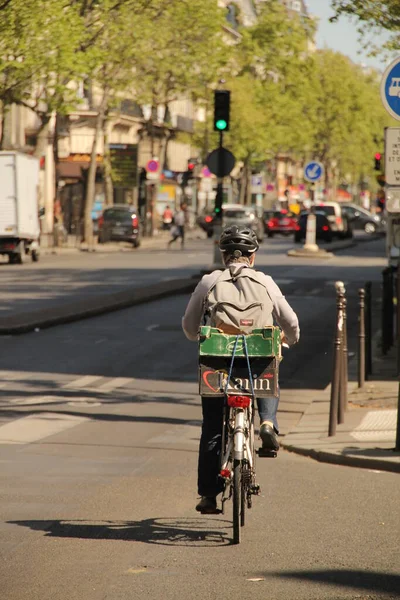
x: 238, y: 303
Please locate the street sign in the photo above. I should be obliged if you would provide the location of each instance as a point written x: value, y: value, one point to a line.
x: 220, y: 162
x: 313, y: 171
x: 392, y: 156
x: 152, y: 166
x: 390, y: 89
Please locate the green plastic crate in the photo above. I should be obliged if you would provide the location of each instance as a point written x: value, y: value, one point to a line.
x: 260, y: 343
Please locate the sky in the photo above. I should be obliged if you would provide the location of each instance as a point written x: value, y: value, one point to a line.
x: 342, y: 35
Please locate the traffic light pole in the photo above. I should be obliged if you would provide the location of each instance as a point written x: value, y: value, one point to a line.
x: 218, y: 207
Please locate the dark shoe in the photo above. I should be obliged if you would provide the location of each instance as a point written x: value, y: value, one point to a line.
x: 268, y: 437
x: 207, y: 506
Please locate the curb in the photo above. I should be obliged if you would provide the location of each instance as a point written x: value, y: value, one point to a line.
x: 345, y: 459
x: 78, y: 310
x: 333, y: 247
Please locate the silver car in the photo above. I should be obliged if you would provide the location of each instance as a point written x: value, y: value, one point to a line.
x: 244, y: 216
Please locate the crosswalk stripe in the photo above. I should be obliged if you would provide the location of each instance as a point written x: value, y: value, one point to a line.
x: 113, y: 384
x: 36, y: 427
x: 283, y: 281
x: 82, y: 382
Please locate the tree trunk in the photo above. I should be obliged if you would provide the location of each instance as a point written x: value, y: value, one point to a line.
x: 242, y: 185
x: 107, y: 165
x: 91, y: 179
x: 248, y: 186
x: 4, y: 109
x: 42, y: 135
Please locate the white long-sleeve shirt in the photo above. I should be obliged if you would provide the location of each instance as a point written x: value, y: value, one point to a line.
x: 283, y: 313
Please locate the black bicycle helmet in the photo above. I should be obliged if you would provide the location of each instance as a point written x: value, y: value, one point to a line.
x: 236, y: 239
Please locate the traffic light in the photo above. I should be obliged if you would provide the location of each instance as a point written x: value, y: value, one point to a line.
x: 378, y: 158
x: 190, y: 172
x: 222, y: 101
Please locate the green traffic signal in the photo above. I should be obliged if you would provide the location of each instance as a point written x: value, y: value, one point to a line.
x: 222, y: 99
x: 221, y: 124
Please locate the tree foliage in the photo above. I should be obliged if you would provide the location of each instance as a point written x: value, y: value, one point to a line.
x: 373, y: 15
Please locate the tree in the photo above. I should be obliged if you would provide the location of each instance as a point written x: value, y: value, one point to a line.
x: 373, y: 15
x: 347, y: 115
x: 40, y: 55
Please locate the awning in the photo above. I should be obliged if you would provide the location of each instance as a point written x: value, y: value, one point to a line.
x: 69, y: 170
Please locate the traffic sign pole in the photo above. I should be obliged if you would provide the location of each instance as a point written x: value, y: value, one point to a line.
x: 313, y: 172
x: 218, y: 206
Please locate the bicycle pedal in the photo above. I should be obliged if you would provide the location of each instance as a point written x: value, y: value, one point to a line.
x: 264, y: 453
x: 255, y: 490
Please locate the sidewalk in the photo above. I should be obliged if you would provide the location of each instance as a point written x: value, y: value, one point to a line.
x: 159, y: 240
x: 367, y: 437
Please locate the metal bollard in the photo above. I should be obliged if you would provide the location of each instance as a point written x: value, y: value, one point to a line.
x: 344, y: 374
x: 397, y: 447
x: 387, y: 310
x: 337, y: 359
x: 361, y: 339
x: 398, y: 320
x: 368, y: 329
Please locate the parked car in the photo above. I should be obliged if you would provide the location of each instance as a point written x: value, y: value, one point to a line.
x: 280, y: 221
x: 340, y: 224
x: 362, y: 219
x: 235, y: 214
x: 119, y: 223
x: 323, y: 227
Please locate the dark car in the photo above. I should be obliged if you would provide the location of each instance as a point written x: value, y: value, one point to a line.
x: 323, y: 227
x: 279, y: 221
x: 119, y: 223
x: 362, y: 219
x: 205, y: 222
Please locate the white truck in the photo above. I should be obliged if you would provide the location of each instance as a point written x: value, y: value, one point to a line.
x: 19, y: 213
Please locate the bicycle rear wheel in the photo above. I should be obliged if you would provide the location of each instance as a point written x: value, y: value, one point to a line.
x: 243, y: 498
x: 237, y: 499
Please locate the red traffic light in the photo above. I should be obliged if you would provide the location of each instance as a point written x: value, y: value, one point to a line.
x: 378, y: 156
x: 191, y: 166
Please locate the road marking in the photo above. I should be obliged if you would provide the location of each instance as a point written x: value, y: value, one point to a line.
x: 38, y: 400
x: 283, y: 281
x: 113, y: 384
x: 33, y: 428
x: 152, y: 327
x: 7, y: 377
x: 181, y: 434
x: 82, y: 382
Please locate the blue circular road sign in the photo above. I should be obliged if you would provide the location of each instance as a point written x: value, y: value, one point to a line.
x: 390, y: 89
x: 313, y: 171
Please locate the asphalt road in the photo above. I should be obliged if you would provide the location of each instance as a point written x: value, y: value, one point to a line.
x: 99, y: 429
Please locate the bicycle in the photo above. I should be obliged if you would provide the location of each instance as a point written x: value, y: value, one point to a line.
x: 237, y: 467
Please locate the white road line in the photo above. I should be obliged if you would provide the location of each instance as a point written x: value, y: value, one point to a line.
x: 82, y: 382
x: 38, y: 400
x: 33, y: 428
x: 113, y: 384
x: 181, y: 434
x: 283, y: 281
x: 7, y: 377
x: 152, y: 327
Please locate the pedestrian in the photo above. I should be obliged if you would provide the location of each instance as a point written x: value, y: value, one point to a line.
x: 215, y: 302
x: 167, y: 218
x: 178, y: 228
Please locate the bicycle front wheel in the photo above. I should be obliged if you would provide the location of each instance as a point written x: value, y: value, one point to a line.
x: 237, y: 499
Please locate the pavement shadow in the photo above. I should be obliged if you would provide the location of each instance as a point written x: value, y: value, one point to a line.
x: 169, y: 531
x: 375, y: 581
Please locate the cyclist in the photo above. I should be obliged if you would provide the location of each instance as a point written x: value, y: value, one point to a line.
x: 238, y: 246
